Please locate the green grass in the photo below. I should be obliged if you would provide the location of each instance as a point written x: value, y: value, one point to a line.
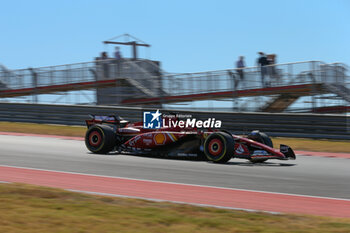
x: 321, y: 145
x: 63, y: 130
x: 79, y: 131
x: 26, y: 208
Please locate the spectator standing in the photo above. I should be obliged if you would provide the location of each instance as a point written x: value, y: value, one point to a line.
x: 262, y: 63
x: 271, y: 59
x: 34, y: 83
x: 240, y: 65
x: 104, y: 55
x: 118, y: 60
x: 117, y: 53
x: 105, y: 65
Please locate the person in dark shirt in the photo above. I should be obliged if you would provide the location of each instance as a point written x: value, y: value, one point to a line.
x: 262, y: 63
x: 240, y: 65
x: 105, y: 64
x: 104, y: 55
x: 118, y: 61
x: 117, y: 53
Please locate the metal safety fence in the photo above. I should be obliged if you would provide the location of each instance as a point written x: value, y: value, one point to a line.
x: 277, y: 124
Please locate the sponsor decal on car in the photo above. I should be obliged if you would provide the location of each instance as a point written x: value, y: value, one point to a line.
x: 187, y: 155
x: 134, y: 140
x: 172, y: 137
x: 148, y: 135
x: 159, y: 138
x: 260, y: 152
x: 241, y: 149
x: 147, y: 141
x: 284, y: 148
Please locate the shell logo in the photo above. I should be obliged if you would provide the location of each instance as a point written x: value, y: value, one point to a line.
x: 159, y: 139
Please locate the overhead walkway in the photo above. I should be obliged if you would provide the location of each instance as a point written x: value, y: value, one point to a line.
x: 120, y: 82
x: 281, y: 102
x: 300, y: 90
x: 4, y: 71
x: 338, y: 89
x: 138, y: 76
x: 289, y: 83
x: 58, y: 88
x: 2, y: 86
x: 142, y: 82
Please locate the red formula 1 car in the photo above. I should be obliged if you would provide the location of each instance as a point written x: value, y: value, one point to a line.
x: 112, y: 133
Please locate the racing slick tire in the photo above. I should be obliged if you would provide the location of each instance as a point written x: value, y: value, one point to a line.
x: 261, y: 137
x: 100, y: 139
x: 219, y: 147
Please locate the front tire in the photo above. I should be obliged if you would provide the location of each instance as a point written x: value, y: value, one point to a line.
x: 261, y: 137
x: 100, y: 139
x: 219, y: 147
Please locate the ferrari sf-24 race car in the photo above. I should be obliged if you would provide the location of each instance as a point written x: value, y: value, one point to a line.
x: 111, y: 133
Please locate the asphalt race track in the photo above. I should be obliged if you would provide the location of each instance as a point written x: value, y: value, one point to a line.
x: 308, y: 175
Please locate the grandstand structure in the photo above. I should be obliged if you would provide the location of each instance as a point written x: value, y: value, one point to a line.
x: 310, y: 86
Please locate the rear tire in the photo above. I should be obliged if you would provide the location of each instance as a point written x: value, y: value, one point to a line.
x: 100, y: 139
x: 219, y: 147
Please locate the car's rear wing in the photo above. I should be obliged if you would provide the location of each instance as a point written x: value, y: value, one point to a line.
x: 110, y: 119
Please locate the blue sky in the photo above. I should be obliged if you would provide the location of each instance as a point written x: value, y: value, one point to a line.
x: 186, y: 36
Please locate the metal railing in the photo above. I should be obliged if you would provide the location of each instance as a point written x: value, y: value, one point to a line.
x: 280, y: 75
x: 73, y: 73
x: 159, y: 83
x: 224, y: 80
x: 141, y: 74
x: 275, y: 75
